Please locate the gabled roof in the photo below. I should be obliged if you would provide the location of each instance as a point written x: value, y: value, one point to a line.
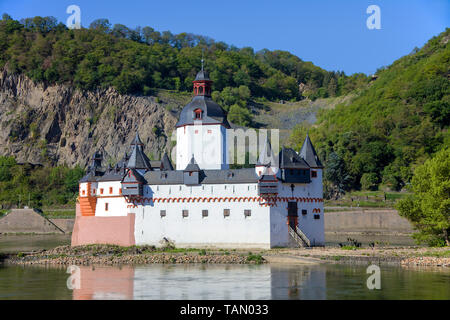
x: 247, y: 175
x: 291, y: 160
x: 165, y: 163
x: 138, y: 159
x: 112, y: 175
x: 212, y: 112
x: 192, y: 166
x: 133, y: 176
x: 308, y: 153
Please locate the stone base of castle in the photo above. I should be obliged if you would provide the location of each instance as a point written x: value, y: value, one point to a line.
x: 103, y: 230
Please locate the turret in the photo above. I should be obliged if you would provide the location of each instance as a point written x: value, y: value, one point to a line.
x: 201, y: 129
x: 138, y: 160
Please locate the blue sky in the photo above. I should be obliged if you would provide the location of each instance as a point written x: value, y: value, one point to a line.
x: 330, y: 33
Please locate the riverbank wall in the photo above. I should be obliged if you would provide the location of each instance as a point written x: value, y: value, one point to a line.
x: 377, y: 221
x: 373, y: 221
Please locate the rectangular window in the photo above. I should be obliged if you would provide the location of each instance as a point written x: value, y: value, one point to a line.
x: 120, y: 190
x: 314, y: 174
x: 316, y: 216
x: 304, y: 212
x: 106, y: 206
x: 83, y: 192
x: 247, y: 213
x: 162, y: 213
x: 101, y: 190
x: 185, y: 213
x: 93, y: 191
x: 204, y: 213
x: 226, y: 213
x: 110, y: 190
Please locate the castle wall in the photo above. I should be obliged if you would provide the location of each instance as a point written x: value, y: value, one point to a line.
x: 236, y: 230
x: 104, y: 230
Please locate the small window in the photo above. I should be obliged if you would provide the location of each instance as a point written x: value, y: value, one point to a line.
x: 314, y: 174
x: 209, y: 131
x: 93, y: 191
x: 317, y: 216
x: 106, y: 206
x: 185, y: 213
x: 110, y: 190
x: 101, y: 190
x: 120, y: 190
x: 83, y: 192
x: 190, y: 173
x: 204, y: 213
x: 226, y: 213
x: 247, y: 213
x: 198, y: 114
x: 304, y: 212
x: 162, y: 213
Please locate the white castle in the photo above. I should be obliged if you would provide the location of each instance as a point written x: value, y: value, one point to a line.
x: 203, y: 203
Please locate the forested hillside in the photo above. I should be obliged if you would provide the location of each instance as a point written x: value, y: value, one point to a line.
x: 136, y: 60
x: 94, y: 87
x: 398, y: 122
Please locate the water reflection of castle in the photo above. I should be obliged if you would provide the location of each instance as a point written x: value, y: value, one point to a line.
x: 202, y: 282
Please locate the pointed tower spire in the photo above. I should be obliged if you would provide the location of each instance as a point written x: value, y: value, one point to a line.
x: 192, y: 166
x: 166, y: 164
x: 266, y: 155
x: 137, y: 140
x: 308, y: 153
x: 138, y: 159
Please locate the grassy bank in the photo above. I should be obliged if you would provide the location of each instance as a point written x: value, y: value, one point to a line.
x: 367, y: 199
x: 117, y: 255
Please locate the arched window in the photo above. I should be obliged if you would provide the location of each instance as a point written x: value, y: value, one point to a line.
x: 198, y: 114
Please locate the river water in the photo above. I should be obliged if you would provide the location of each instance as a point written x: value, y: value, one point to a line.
x: 322, y: 281
x: 242, y: 282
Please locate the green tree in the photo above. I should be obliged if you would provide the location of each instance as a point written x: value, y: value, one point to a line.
x: 239, y: 115
x: 429, y: 207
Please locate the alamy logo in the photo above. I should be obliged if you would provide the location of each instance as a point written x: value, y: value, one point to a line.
x: 374, y: 20
x: 74, y: 281
x: 242, y: 146
x: 74, y: 20
x: 374, y: 280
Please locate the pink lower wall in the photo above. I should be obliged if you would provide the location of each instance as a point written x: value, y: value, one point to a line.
x: 103, y: 230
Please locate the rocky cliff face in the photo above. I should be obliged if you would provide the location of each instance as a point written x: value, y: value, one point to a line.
x: 59, y: 124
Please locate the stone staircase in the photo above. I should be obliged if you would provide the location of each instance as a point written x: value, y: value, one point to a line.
x: 87, y: 205
x: 299, y: 238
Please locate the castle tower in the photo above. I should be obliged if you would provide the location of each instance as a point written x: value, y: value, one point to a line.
x: 138, y: 160
x: 201, y: 129
x: 308, y: 153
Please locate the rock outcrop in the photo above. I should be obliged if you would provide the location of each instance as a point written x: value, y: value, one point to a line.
x: 60, y: 124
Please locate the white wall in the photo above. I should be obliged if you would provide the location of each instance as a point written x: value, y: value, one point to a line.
x: 206, y: 142
x: 195, y: 230
x: 117, y: 205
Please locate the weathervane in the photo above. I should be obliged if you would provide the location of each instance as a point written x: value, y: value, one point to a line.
x: 202, y: 58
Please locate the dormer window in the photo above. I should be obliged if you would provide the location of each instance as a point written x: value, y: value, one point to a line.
x: 198, y: 114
